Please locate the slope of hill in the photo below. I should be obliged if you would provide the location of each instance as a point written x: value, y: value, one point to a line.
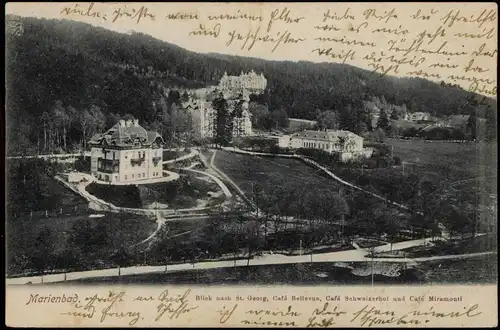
x: 83, y: 66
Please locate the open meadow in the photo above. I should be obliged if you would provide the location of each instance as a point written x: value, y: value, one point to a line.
x: 272, y: 172
x: 453, y: 161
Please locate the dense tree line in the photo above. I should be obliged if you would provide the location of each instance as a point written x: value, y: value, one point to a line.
x: 30, y: 186
x: 83, y: 66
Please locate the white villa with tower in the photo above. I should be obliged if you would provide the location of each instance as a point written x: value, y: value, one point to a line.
x: 126, y: 153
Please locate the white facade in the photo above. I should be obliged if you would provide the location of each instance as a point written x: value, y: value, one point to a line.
x: 245, y: 81
x: 127, y: 153
x: 204, y: 116
x: 416, y: 116
x: 75, y: 177
x: 346, y: 144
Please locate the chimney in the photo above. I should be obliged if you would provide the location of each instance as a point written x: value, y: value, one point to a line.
x: 122, y: 123
x: 136, y: 122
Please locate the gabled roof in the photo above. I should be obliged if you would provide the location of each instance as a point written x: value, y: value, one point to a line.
x: 126, y: 134
x: 329, y: 135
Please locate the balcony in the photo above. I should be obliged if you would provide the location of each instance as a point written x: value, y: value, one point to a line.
x: 137, y: 161
x: 111, y: 162
x: 156, y: 160
x: 108, y: 165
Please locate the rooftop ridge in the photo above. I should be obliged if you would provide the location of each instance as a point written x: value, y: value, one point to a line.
x: 124, y: 132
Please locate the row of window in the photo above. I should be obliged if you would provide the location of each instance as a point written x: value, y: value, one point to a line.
x: 105, y: 177
x: 316, y: 145
x: 133, y: 176
x: 134, y: 165
x: 136, y: 176
x: 139, y: 154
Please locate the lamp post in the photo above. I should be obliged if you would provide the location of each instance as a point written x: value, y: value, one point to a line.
x: 372, y: 252
x: 342, y: 224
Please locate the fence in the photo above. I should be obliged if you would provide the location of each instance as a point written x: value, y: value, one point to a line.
x: 53, y: 156
x: 101, y: 205
x: 449, y: 141
x: 405, y: 138
x: 67, y: 211
x: 323, y: 168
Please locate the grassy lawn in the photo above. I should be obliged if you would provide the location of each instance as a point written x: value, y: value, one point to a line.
x: 453, y: 161
x: 479, y: 244
x: 35, y: 190
x: 483, y: 269
x: 272, y: 172
x: 460, y: 173
x: 173, y: 154
x: 189, y: 191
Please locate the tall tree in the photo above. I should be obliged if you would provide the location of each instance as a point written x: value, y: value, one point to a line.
x: 58, y: 114
x: 223, y: 121
x: 43, y: 256
x: 326, y: 120
x: 471, y: 129
x: 383, y: 121
x: 45, y: 121
x: 394, y: 115
x: 279, y: 118
x: 237, y: 114
x: 86, y: 122
x: 347, y: 118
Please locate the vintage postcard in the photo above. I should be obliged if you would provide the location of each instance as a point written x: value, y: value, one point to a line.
x: 251, y: 164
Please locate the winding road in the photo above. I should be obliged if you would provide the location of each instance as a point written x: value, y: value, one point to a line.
x: 192, y: 153
x: 355, y: 255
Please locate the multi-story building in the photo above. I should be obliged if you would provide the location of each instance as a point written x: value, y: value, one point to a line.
x: 417, y: 116
x: 345, y: 144
x: 245, y: 82
x: 203, y: 119
x: 126, y: 153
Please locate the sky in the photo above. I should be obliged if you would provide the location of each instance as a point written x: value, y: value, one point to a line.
x: 309, y: 19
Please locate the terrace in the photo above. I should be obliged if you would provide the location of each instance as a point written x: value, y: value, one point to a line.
x: 108, y: 165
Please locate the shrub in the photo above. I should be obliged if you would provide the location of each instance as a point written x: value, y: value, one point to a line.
x: 82, y: 164
x: 122, y: 196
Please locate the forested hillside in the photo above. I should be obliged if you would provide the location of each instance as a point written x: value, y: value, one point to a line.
x: 93, y: 75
